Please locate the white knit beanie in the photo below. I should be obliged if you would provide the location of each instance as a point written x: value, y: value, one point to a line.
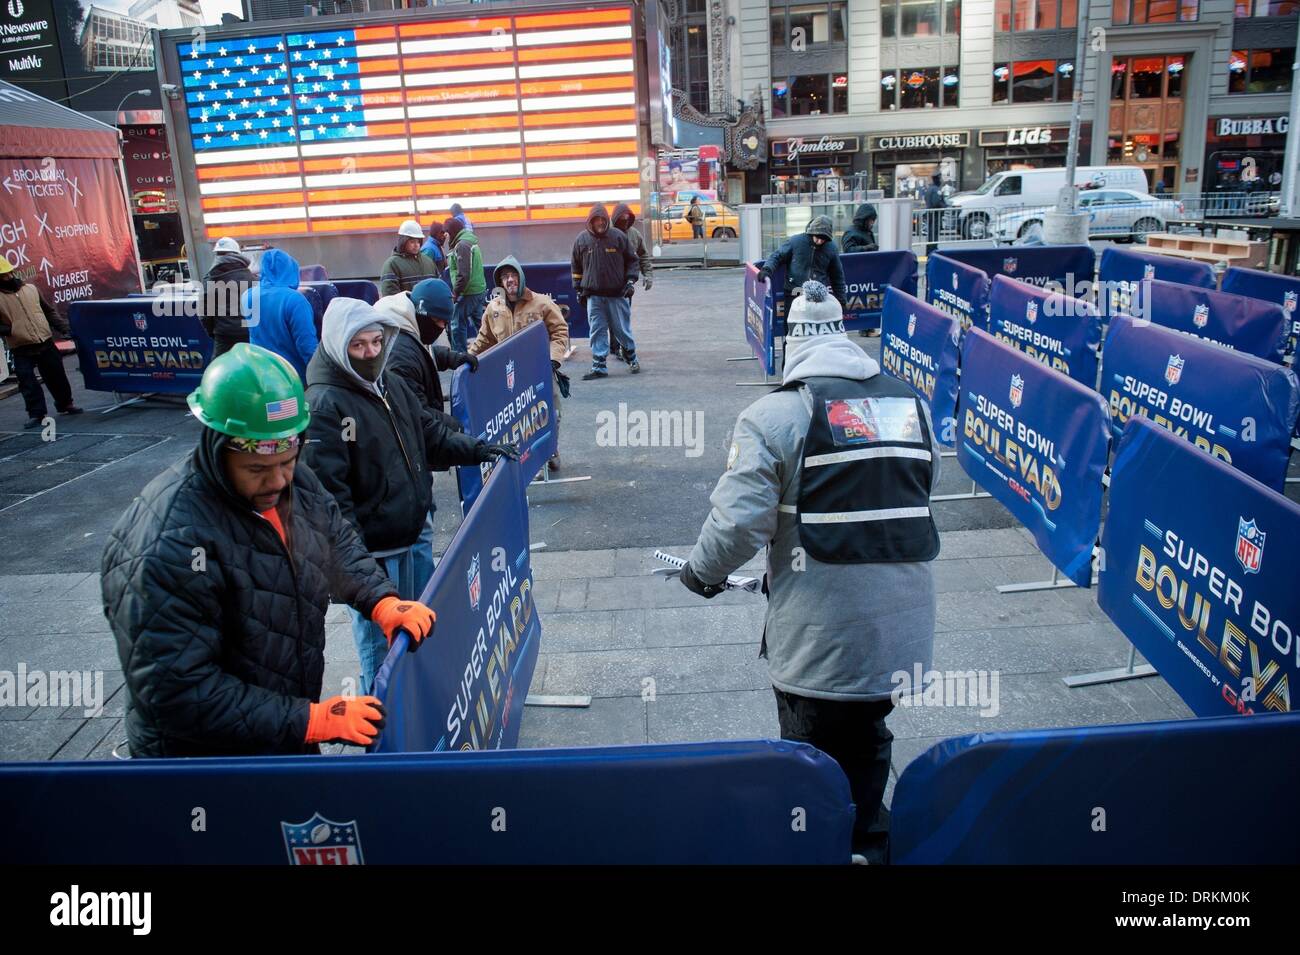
x: 814, y: 315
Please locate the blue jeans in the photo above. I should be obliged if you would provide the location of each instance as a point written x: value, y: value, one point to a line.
x: 465, y: 316
x: 372, y: 645
x: 424, y: 556
x: 608, y: 315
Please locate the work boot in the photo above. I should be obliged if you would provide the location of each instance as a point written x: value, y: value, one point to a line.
x: 597, y: 372
x: 72, y: 409
x: 633, y: 365
x: 553, y: 465
x: 32, y: 424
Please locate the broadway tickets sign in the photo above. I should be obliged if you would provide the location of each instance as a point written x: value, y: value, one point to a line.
x: 1123, y: 272
x: 1234, y: 406
x: 1201, y: 574
x: 1064, y: 268
x: 65, y: 228
x: 758, y: 320
x: 465, y: 687
x: 510, y: 399
x: 959, y: 289
x: 867, y: 276
x: 1282, y: 290
x: 919, y: 346
x: 123, y: 345
x: 1037, y: 441
x: 1059, y: 331
x: 1250, y: 325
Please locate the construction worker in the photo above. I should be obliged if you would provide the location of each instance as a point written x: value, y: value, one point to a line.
x: 217, y: 579
x: 832, y: 474
x: 407, y: 266
x: 28, y: 325
x: 468, y: 283
x: 812, y: 255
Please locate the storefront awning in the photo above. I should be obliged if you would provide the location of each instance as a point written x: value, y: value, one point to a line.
x: 35, y: 126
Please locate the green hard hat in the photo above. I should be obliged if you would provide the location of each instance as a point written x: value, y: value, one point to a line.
x: 250, y: 392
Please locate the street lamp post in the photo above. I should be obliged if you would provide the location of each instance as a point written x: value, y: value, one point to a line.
x: 126, y: 191
x: 1291, y: 164
x: 1064, y: 224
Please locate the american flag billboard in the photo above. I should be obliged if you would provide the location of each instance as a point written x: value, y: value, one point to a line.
x: 527, y: 117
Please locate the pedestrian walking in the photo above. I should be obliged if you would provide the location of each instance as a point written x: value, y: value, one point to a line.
x: 861, y: 236
x: 408, y: 265
x: 605, y: 272
x: 832, y: 474
x: 934, y: 202
x: 468, y: 283
x: 28, y: 324
x: 434, y: 246
x: 278, y: 316
x: 624, y: 219
x: 695, y: 216
x: 224, y: 286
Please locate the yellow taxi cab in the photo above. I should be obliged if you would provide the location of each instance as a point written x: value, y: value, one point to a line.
x: 720, y: 221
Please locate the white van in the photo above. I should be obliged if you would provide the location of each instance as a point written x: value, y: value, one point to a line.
x: 1012, y: 191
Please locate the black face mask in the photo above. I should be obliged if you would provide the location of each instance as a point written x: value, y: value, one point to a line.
x: 11, y: 283
x: 368, y: 368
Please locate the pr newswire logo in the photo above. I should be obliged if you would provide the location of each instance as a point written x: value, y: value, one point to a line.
x: 76, y: 908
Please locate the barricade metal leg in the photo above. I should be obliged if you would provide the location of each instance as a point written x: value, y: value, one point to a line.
x: 545, y: 478
x: 742, y: 358
x: 974, y: 493
x: 1056, y: 583
x: 1129, y: 672
x: 767, y: 382
x: 549, y: 700
x: 119, y: 403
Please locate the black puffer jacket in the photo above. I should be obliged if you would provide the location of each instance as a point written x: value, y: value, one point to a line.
x: 862, y: 237
x: 411, y: 359
x: 603, y: 264
x: 223, y: 648
x: 380, y: 477
x: 223, y: 289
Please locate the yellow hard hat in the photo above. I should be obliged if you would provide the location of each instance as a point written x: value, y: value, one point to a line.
x: 5, y: 267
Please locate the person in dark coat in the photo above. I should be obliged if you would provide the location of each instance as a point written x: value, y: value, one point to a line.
x: 934, y: 201
x: 224, y: 286
x: 862, y: 236
x: 372, y: 444
x: 605, y: 272
x: 28, y: 325
x: 216, y: 581
x: 812, y: 255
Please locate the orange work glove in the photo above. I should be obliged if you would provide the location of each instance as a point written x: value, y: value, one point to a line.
x: 393, y: 614
x: 345, y: 719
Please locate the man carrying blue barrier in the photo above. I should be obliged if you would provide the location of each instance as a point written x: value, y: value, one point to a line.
x: 832, y: 474
x: 217, y: 579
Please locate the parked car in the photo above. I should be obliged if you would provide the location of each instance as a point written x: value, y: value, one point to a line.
x: 976, y: 214
x: 1112, y: 213
x: 720, y: 221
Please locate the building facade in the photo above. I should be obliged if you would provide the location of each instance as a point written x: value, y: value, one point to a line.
x: 1196, y: 92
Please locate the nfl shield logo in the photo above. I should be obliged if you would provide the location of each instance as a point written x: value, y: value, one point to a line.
x: 140, y: 321
x: 321, y: 841
x: 510, y: 375
x: 1201, y: 317
x: 1017, y: 390
x: 955, y: 280
x: 1148, y: 271
x: 1288, y: 302
x: 1250, y: 545
x: 1174, y: 370
x: 1009, y: 265
x: 911, y: 325
x: 475, y: 583
x: 1031, y: 312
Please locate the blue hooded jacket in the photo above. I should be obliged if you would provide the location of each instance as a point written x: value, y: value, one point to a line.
x: 279, y: 316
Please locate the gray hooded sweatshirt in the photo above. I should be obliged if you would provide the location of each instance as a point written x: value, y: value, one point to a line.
x: 833, y: 631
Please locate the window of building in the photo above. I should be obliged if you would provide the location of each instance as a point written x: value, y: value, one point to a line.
x: 814, y: 95
x: 1147, y: 77
x: 697, y: 65
x: 1266, y: 8
x: 919, y: 88
x: 1033, y: 81
x: 909, y: 18
x: 800, y: 26
x: 1260, y: 71
x: 1154, y: 11
x: 1017, y: 16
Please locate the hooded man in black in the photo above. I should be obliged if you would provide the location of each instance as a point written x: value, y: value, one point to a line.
x: 605, y: 271
x: 224, y: 286
x: 862, y: 236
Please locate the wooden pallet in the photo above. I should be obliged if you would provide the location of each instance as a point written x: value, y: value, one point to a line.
x: 1212, y: 249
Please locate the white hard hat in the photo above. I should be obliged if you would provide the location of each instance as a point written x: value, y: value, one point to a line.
x: 226, y: 244
x: 411, y: 229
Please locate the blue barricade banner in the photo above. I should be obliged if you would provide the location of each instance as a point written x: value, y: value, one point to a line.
x: 1061, y: 332
x: 1237, y: 407
x: 1123, y: 271
x: 510, y: 399
x: 866, y: 277
x: 465, y: 687
x: 126, y: 345
x: 919, y: 345
x: 758, y: 320
x: 1200, y: 574
x: 720, y: 803
x: 959, y: 289
x: 1063, y: 267
x: 363, y: 289
x: 1037, y: 441
x: 1282, y: 290
x: 1251, y: 325
x: 1015, y: 798
x: 556, y: 280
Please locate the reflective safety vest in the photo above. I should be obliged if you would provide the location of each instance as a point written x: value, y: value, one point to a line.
x: 864, y: 486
